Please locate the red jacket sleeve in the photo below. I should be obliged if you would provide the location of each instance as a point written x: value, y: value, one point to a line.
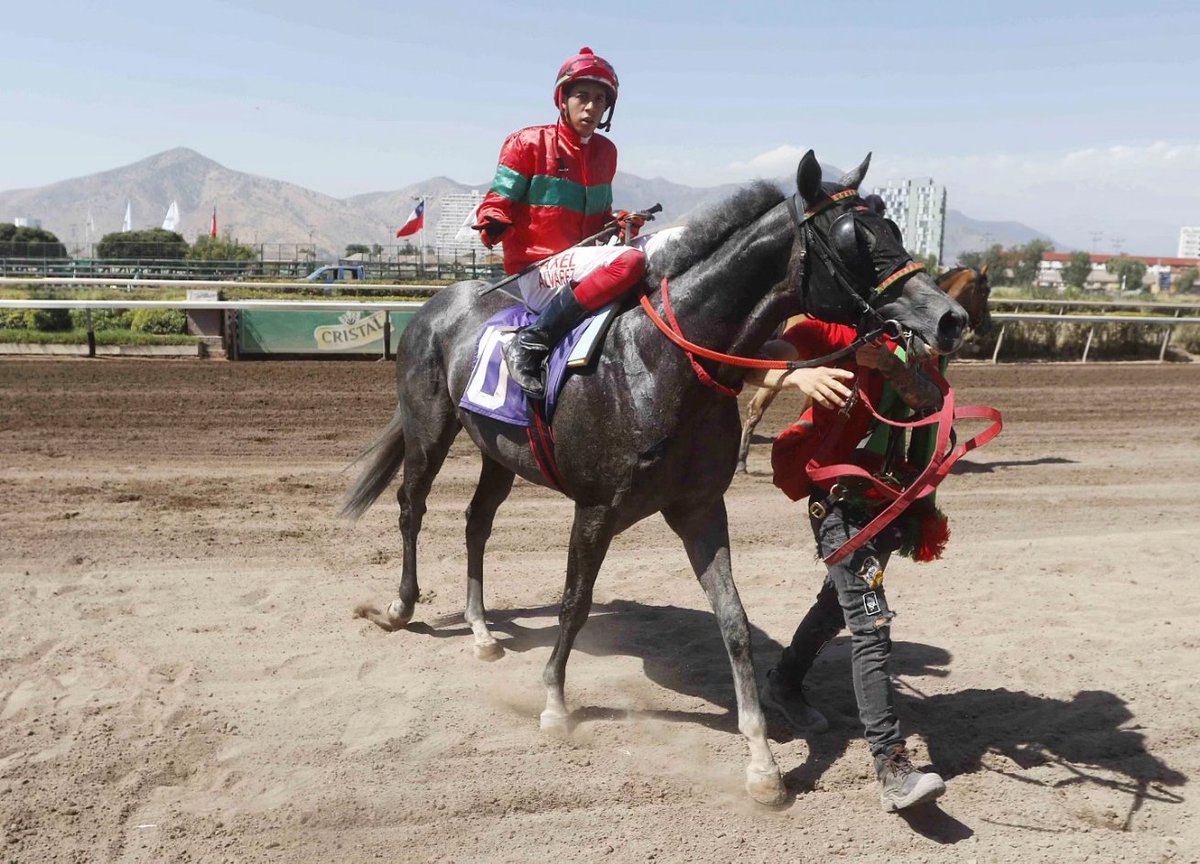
x: 511, y: 183
x: 812, y: 338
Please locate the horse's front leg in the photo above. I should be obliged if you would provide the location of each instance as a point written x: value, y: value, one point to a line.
x: 704, y: 529
x: 591, y: 534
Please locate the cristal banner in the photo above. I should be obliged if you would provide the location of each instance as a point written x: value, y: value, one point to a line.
x: 319, y: 333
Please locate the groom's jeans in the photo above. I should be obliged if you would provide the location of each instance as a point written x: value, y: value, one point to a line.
x: 848, y: 599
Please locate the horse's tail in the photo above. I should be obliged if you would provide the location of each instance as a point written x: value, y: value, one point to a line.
x: 387, y: 455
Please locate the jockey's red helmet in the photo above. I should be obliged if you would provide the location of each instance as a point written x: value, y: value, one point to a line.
x: 587, y: 66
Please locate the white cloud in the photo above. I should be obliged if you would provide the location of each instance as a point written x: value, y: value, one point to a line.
x: 782, y: 160
x: 1136, y: 195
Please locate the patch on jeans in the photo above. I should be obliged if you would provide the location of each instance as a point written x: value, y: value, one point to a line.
x: 871, y: 603
x: 871, y: 573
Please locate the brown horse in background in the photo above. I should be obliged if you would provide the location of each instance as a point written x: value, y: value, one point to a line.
x: 968, y: 287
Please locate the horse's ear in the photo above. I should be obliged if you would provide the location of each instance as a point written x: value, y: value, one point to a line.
x: 854, y: 179
x: 983, y: 270
x: 808, y: 178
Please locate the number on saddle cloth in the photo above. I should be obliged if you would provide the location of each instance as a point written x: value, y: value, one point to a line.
x: 492, y: 393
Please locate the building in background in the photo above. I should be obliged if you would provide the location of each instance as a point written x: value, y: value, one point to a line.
x: 1189, y: 242
x: 30, y: 222
x: 919, y: 208
x: 456, y: 214
x: 1160, y: 271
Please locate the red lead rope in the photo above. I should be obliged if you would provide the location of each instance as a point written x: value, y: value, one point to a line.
x: 934, y: 473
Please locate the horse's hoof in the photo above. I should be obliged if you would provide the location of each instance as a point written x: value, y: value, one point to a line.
x: 399, y: 613
x: 555, y: 725
x: 766, y: 787
x: 489, y: 651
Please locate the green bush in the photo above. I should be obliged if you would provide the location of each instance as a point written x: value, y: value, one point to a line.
x: 161, y: 321
x: 1188, y: 338
x: 102, y: 319
x: 12, y: 319
x: 47, y: 320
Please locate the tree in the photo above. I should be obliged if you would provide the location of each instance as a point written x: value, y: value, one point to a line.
x: 1129, y: 271
x: 1188, y: 280
x: 23, y: 242
x: 931, y: 264
x: 357, y: 249
x: 1025, y: 260
x: 974, y: 260
x: 209, y: 248
x: 1076, y: 271
x: 151, y: 243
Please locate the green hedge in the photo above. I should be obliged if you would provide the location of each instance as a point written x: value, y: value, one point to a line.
x: 103, y: 337
x: 161, y: 321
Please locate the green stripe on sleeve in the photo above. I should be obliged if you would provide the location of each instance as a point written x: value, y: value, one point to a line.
x: 510, y: 184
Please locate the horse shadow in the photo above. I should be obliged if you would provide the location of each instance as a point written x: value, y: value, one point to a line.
x: 1090, y: 735
x: 965, y: 466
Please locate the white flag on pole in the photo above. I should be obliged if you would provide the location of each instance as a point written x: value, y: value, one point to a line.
x: 171, y: 222
x: 127, y: 225
x: 466, y: 234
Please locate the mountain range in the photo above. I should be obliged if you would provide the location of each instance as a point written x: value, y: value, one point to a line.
x: 264, y: 210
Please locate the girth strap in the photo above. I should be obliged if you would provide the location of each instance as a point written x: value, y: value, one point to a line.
x: 541, y: 445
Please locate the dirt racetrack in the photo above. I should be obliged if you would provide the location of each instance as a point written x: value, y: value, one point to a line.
x: 181, y: 678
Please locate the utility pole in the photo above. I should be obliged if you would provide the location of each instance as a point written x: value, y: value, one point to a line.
x: 1096, y: 237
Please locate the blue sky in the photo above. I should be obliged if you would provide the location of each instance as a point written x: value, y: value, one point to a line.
x: 1071, y: 117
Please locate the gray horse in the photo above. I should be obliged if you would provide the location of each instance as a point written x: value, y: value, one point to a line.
x: 640, y: 434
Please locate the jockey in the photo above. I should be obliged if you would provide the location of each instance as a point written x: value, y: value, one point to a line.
x: 852, y: 594
x: 553, y: 189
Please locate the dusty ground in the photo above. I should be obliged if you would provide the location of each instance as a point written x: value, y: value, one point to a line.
x: 181, y: 678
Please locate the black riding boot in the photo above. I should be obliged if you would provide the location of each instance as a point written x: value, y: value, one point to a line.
x: 527, y: 352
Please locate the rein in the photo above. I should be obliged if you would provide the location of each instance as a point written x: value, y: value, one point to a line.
x: 675, y: 334
x: 805, y: 233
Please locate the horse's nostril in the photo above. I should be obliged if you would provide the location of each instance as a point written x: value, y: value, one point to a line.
x: 950, y: 329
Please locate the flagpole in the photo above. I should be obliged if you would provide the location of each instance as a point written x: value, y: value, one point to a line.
x: 421, y: 235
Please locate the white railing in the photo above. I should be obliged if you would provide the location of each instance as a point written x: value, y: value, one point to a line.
x: 1168, y: 322
x: 105, y: 282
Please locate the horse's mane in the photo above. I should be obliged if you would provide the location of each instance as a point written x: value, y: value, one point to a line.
x: 713, y: 227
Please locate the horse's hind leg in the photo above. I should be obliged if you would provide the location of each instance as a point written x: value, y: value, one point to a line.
x: 704, y: 529
x: 759, y: 403
x: 591, y: 534
x: 495, y: 482
x: 429, y: 429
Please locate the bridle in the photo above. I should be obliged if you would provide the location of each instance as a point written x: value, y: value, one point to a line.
x: 810, y: 238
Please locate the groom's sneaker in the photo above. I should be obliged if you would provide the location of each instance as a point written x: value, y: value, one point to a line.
x: 900, y: 784
x: 790, y: 702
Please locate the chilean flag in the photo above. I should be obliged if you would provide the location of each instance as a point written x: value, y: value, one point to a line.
x: 213, y: 229
x: 415, y: 222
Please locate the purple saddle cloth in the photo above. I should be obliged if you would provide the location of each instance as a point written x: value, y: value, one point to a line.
x: 491, y: 392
